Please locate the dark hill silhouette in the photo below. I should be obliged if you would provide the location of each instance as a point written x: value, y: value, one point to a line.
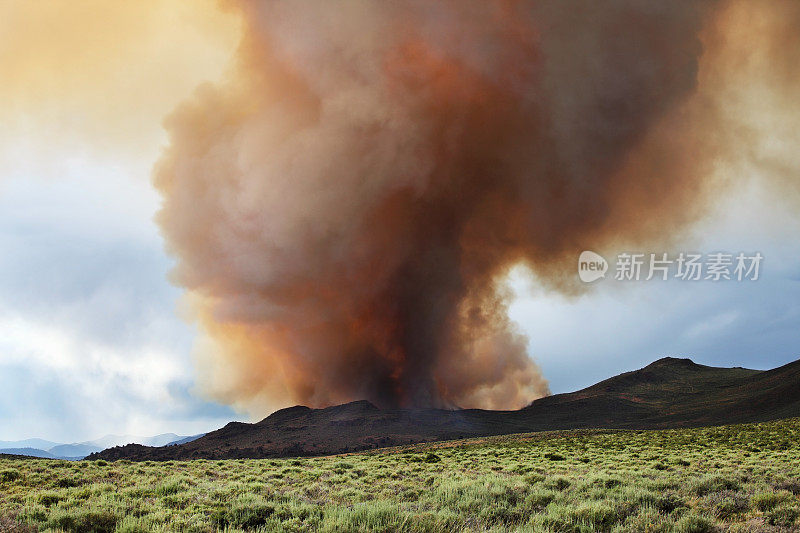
x: 667, y: 393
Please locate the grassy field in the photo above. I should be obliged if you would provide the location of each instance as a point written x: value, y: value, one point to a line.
x: 734, y: 478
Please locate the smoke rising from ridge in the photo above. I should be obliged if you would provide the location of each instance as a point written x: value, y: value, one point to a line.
x: 344, y: 208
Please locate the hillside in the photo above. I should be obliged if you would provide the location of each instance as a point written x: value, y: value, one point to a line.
x: 667, y: 393
x: 675, y: 393
x: 28, y: 452
x: 79, y: 450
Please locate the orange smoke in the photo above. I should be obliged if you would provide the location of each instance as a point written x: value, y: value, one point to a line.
x: 344, y: 208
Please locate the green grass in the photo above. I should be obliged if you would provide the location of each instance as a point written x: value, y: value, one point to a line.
x: 734, y: 478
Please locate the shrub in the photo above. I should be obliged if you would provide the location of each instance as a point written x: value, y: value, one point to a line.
x: 783, y: 516
x: 726, y: 504
x: 534, y: 478
x: 49, y: 498
x: 691, y: 523
x: 7, y: 476
x: 791, y: 485
x: 175, y: 501
x: 171, y: 486
x: 85, y: 522
x: 667, y: 502
x: 33, y: 513
x: 646, y: 521
x: 554, y: 456
x: 10, y: 524
x: 97, y: 522
x: 559, y: 483
x: 377, y: 516
x: 133, y: 525
x: 599, y: 515
x: 558, y: 523
x: 432, y: 458
x: 66, y: 522
x: 766, y: 501
x: 714, y: 483
x: 500, y: 514
x: 68, y: 482
x: 608, y: 482
x: 249, y: 516
x: 539, y: 499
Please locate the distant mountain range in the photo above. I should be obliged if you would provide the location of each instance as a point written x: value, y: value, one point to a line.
x: 79, y: 450
x: 667, y: 393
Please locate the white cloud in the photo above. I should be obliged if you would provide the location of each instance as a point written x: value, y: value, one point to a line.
x: 111, y: 389
x: 90, y: 342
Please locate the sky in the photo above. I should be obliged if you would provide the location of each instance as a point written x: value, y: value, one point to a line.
x: 624, y: 325
x: 91, y: 336
x: 94, y: 339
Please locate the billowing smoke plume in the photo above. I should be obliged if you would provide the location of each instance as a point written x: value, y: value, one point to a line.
x: 345, y: 206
